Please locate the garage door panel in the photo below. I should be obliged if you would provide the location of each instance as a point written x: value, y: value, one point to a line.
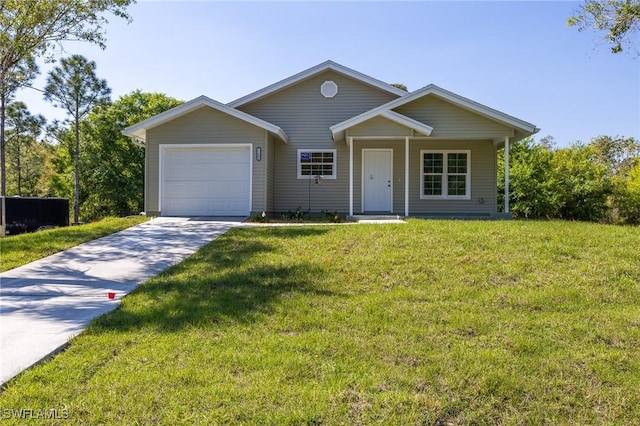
x: 227, y: 189
x: 186, y: 190
x: 209, y: 181
x: 237, y: 173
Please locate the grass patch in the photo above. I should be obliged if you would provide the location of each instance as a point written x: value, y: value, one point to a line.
x: 432, y: 322
x: 18, y: 250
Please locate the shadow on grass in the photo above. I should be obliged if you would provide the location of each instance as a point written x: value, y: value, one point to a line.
x: 224, y: 283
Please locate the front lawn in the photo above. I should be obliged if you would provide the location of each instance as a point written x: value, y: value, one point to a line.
x: 431, y: 322
x: 18, y: 250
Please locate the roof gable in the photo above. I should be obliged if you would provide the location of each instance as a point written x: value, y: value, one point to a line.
x: 328, y: 65
x: 524, y: 128
x: 338, y: 130
x: 469, y: 105
x: 138, y: 131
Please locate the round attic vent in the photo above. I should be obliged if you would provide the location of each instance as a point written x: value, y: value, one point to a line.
x: 329, y: 89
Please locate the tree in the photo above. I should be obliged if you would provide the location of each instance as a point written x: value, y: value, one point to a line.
x: 32, y: 28
x: 531, y: 191
x: 400, y: 86
x: 585, y: 182
x: 22, y: 74
x: 74, y: 87
x: 619, y: 154
x: 627, y: 199
x: 22, y: 133
x: 62, y: 177
x: 114, y: 166
x: 620, y: 19
x: 581, y: 182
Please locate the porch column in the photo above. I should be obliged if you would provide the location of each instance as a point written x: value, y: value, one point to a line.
x: 350, y: 142
x: 406, y: 176
x: 506, y: 174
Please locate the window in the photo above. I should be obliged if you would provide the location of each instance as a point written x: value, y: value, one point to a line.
x: 445, y: 174
x: 316, y: 162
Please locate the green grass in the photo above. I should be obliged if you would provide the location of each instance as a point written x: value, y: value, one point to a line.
x: 21, y: 249
x: 432, y: 322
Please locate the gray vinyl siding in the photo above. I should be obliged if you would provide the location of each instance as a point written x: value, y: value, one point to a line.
x: 306, y: 116
x: 379, y: 126
x: 483, y: 179
x: 450, y: 121
x: 203, y: 126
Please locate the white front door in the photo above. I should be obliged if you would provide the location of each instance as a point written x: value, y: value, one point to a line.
x: 377, y: 181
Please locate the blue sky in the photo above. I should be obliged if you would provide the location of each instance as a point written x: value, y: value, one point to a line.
x: 517, y: 57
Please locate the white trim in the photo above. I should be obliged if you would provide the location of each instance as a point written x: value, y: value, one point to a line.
x: 250, y: 145
x: 446, y: 95
x: 329, y: 89
x: 328, y: 65
x: 138, y: 131
x: 506, y: 175
x: 363, y: 176
x: 406, y: 176
x: 381, y: 138
x: 350, y: 176
x: 444, y: 195
x: 408, y: 122
x: 163, y: 147
x: 338, y: 130
x: 311, y: 150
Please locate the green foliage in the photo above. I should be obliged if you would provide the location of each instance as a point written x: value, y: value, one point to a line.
x: 400, y: 86
x: 424, y: 323
x: 581, y: 182
x: 62, y: 162
x: 619, y: 19
x: 112, y: 166
x: 74, y: 87
x: 260, y: 218
x: 617, y: 153
x: 332, y: 216
x: 31, y: 29
x: 26, y: 157
x: 298, y: 214
x: 627, y: 199
x: 532, y: 193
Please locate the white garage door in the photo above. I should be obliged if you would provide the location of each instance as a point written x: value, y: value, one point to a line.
x: 206, y: 181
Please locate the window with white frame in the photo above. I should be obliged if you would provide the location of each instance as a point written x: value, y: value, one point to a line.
x: 445, y: 175
x: 316, y: 162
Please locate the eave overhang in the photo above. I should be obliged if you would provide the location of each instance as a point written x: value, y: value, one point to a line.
x: 138, y: 132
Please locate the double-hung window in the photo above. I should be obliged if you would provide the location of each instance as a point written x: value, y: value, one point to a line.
x: 445, y: 175
x: 313, y: 163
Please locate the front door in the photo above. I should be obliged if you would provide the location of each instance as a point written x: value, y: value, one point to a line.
x: 377, y: 182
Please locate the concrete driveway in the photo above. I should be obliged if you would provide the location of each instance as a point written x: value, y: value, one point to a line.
x: 45, y: 303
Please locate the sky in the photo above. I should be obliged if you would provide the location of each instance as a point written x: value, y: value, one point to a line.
x: 514, y: 56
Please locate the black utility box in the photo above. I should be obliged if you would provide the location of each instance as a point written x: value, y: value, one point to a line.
x: 28, y: 214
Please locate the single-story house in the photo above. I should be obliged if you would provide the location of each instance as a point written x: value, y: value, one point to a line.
x: 327, y: 139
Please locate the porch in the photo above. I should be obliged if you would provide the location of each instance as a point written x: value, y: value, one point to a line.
x: 423, y: 177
